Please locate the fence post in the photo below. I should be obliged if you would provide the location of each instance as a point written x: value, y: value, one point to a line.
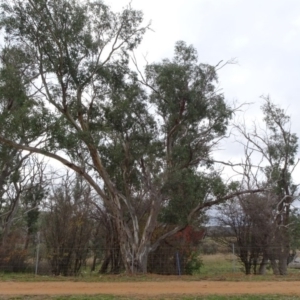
x: 132, y: 262
x: 178, y: 263
x: 37, y: 253
x: 233, y: 258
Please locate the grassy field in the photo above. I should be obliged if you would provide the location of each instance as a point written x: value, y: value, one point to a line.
x: 215, y: 267
x: 218, y: 264
x: 227, y: 267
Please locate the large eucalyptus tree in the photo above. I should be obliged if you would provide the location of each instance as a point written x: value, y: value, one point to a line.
x: 140, y: 149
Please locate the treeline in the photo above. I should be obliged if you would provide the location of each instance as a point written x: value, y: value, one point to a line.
x: 140, y: 140
x: 58, y: 225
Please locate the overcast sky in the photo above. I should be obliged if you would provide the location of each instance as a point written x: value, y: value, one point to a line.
x: 262, y: 35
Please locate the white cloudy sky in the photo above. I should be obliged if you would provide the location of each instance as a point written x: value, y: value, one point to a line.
x: 263, y: 36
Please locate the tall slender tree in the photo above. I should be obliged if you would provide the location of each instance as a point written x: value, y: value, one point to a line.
x: 277, y: 147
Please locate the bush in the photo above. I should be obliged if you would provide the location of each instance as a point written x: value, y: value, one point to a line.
x: 12, y: 256
x: 194, y: 263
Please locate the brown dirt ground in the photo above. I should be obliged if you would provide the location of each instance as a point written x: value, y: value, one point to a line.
x: 149, y: 288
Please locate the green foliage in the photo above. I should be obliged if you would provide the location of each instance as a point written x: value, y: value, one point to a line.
x: 98, y: 102
x: 194, y: 263
x: 282, y: 148
x: 294, y: 230
x: 185, y: 95
x: 32, y: 199
x: 68, y: 37
x: 142, y: 140
x: 21, y: 117
x: 184, y: 190
x: 193, y: 115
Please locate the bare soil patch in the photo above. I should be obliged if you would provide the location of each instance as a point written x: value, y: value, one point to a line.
x: 149, y: 288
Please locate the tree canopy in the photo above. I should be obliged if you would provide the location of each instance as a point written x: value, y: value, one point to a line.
x: 142, y: 139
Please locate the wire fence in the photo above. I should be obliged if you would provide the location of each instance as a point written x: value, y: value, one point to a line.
x: 74, y: 262
x: 93, y: 261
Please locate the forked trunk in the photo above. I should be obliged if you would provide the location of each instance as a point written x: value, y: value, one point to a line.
x: 139, y: 262
x: 134, y: 242
x: 133, y: 251
x: 135, y: 261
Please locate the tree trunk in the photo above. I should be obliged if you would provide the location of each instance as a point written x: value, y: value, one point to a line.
x: 142, y: 260
x: 282, y: 266
x: 104, y: 266
x: 263, y: 266
x: 274, y: 266
x: 27, y: 241
x: 247, y: 267
x: 136, y: 262
x: 93, y: 267
x: 283, y: 262
x: 134, y: 250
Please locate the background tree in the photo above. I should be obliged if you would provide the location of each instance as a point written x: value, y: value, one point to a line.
x: 276, y: 147
x: 294, y: 229
x: 67, y: 227
x: 15, y: 107
x: 105, y: 242
x: 250, y: 220
x: 22, y: 189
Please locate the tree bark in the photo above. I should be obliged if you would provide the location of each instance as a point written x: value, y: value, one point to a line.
x: 274, y: 266
x: 283, y: 262
x: 263, y: 266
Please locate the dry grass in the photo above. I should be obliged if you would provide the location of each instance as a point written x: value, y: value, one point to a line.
x: 217, y: 258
